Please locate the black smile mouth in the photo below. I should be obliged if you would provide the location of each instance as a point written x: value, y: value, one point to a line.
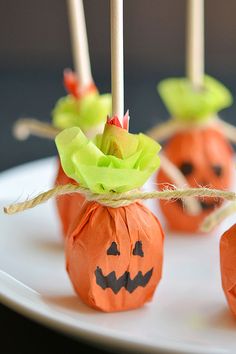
x: 204, y: 205
x: 124, y: 281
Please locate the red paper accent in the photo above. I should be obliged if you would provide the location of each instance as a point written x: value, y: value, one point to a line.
x: 115, y: 121
x: 72, y: 85
x: 126, y: 121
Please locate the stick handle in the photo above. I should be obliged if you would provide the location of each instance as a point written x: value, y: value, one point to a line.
x: 192, y: 205
x: 215, y: 218
x: 25, y: 127
x: 195, y: 42
x: 117, y: 58
x: 79, y: 42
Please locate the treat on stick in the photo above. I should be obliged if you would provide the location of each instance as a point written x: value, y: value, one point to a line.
x: 86, y: 109
x: 113, y: 255
x: 106, y: 248
x: 198, y: 143
x: 228, y: 266
x: 227, y: 251
x: 201, y: 152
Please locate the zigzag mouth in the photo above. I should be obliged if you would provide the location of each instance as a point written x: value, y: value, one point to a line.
x: 124, y: 281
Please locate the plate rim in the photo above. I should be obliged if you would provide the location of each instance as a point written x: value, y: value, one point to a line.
x: 108, y: 340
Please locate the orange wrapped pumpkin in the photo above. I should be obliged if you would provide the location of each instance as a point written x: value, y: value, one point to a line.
x: 88, y: 110
x: 114, y: 255
x: 204, y: 156
x: 199, y: 149
x: 68, y: 204
x: 228, y: 266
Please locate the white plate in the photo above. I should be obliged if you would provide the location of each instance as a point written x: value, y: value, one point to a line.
x: 187, y: 315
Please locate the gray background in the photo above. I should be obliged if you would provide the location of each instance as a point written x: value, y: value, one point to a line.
x: 35, y: 48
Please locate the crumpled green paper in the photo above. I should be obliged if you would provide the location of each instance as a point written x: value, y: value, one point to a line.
x: 187, y: 104
x: 93, y: 164
x: 85, y: 113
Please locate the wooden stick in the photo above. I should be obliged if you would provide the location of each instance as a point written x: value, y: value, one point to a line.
x: 25, y: 127
x: 117, y: 58
x: 163, y: 131
x: 195, y: 42
x: 191, y: 205
x: 219, y: 215
x: 79, y: 42
x: 228, y: 129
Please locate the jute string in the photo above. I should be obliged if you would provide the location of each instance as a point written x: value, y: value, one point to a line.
x: 116, y: 200
x: 217, y: 217
x: 25, y: 127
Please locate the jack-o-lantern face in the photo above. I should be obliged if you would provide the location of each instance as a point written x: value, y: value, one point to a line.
x: 114, y: 256
x: 68, y: 204
x: 110, y: 281
x: 228, y: 266
x: 204, y: 157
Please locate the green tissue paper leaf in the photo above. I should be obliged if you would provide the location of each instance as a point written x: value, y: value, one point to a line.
x: 103, y: 168
x: 86, y: 113
x: 185, y: 103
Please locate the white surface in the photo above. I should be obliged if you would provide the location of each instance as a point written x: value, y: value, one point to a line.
x: 187, y: 315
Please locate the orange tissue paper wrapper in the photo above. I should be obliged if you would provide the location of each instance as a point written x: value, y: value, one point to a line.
x: 205, y: 157
x: 228, y: 266
x: 113, y: 255
x: 68, y: 204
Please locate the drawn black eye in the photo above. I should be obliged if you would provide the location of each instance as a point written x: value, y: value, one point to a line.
x: 138, y: 249
x: 186, y: 168
x: 113, y: 250
x: 218, y: 170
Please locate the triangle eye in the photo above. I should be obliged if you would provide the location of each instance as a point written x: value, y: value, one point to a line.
x: 113, y: 250
x: 138, y: 249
